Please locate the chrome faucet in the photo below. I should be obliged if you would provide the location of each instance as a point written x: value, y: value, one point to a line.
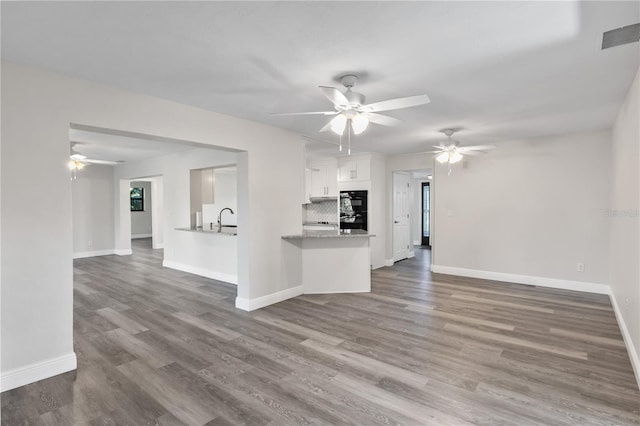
x: 220, y: 217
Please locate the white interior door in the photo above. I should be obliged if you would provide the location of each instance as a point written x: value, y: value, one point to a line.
x: 401, y: 222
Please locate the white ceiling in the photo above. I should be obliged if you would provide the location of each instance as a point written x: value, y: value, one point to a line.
x: 495, y: 70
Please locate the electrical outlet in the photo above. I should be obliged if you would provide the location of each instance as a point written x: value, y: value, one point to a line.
x: 580, y: 267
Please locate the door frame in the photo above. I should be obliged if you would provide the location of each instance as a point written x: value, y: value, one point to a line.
x: 425, y: 241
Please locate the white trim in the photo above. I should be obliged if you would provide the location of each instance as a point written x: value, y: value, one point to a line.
x: 336, y: 292
x: 82, y: 254
x: 269, y: 299
x: 37, y: 371
x: 411, y: 254
x: 388, y: 262
x: 207, y: 273
x: 133, y: 237
x: 417, y: 242
x: 523, y: 279
x: 123, y: 252
x: 159, y: 246
x: 631, y: 350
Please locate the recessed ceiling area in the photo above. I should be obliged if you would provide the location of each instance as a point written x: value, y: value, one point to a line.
x: 116, y: 146
x: 495, y: 70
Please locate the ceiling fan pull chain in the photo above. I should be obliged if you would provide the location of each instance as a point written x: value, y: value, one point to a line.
x: 349, y: 126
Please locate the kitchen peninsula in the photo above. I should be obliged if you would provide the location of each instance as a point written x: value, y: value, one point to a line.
x: 334, y: 261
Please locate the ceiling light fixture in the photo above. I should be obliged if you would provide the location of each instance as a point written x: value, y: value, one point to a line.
x: 357, y: 122
x: 75, y: 165
x: 443, y: 158
x: 455, y: 156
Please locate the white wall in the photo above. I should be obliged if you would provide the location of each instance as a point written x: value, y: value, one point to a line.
x: 624, y: 217
x: 92, y: 201
x: 141, y: 221
x: 210, y: 255
x: 532, y: 208
x: 37, y: 108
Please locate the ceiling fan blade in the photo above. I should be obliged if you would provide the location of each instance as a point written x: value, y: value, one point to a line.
x: 106, y: 162
x: 397, y: 103
x: 326, y: 127
x: 476, y: 148
x: 307, y: 113
x: 78, y: 157
x: 441, y: 147
x: 472, y: 152
x: 335, y: 96
x: 385, y: 120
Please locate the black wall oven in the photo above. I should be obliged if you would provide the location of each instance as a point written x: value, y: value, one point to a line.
x: 353, y: 210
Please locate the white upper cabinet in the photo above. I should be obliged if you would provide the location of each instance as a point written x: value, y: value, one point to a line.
x: 307, y: 186
x: 324, y: 179
x: 354, y: 170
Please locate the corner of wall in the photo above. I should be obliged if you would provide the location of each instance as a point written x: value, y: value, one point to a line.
x: 38, y: 371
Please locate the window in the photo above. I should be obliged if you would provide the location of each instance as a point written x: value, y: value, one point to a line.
x: 136, y: 195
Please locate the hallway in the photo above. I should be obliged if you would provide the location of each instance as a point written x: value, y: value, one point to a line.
x: 156, y: 345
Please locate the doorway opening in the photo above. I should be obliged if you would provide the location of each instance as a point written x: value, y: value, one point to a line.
x: 411, y: 206
x: 426, y: 223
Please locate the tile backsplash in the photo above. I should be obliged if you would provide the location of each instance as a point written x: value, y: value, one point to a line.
x: 325, y: 211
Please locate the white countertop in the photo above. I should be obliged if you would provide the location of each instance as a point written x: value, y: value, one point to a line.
x: 354, y: 233
x: 226, y: 230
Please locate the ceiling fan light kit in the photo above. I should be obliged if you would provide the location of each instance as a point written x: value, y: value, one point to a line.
x: 448, y: 157
x: 358, y: 123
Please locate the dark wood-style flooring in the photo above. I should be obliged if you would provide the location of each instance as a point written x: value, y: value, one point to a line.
x: 158, y: 346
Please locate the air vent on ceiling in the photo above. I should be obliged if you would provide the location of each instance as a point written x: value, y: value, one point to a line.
x: 620, y: 36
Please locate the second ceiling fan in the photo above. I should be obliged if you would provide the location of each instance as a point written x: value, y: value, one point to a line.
x: 352, y: 114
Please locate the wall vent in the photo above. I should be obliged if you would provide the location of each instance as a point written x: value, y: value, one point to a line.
x: 620, y: 36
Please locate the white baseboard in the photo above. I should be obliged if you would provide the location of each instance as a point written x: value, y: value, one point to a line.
x: 123, y: 252
x: 388, y: 262
x: 337, y: 292
x: 83, y: 254
x: 38, y: 371
x: 417, y: 242
x: 523, y: 279
x: 207, y: 273
x: 158, y: 246
x: 411, y: 254
x: 136, y: 236
x: 269, y: 299
x: 631, y: 349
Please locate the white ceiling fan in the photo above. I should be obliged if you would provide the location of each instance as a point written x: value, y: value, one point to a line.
x: 453, y: 152
x: 351, y: 112
x: 78, y: 161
